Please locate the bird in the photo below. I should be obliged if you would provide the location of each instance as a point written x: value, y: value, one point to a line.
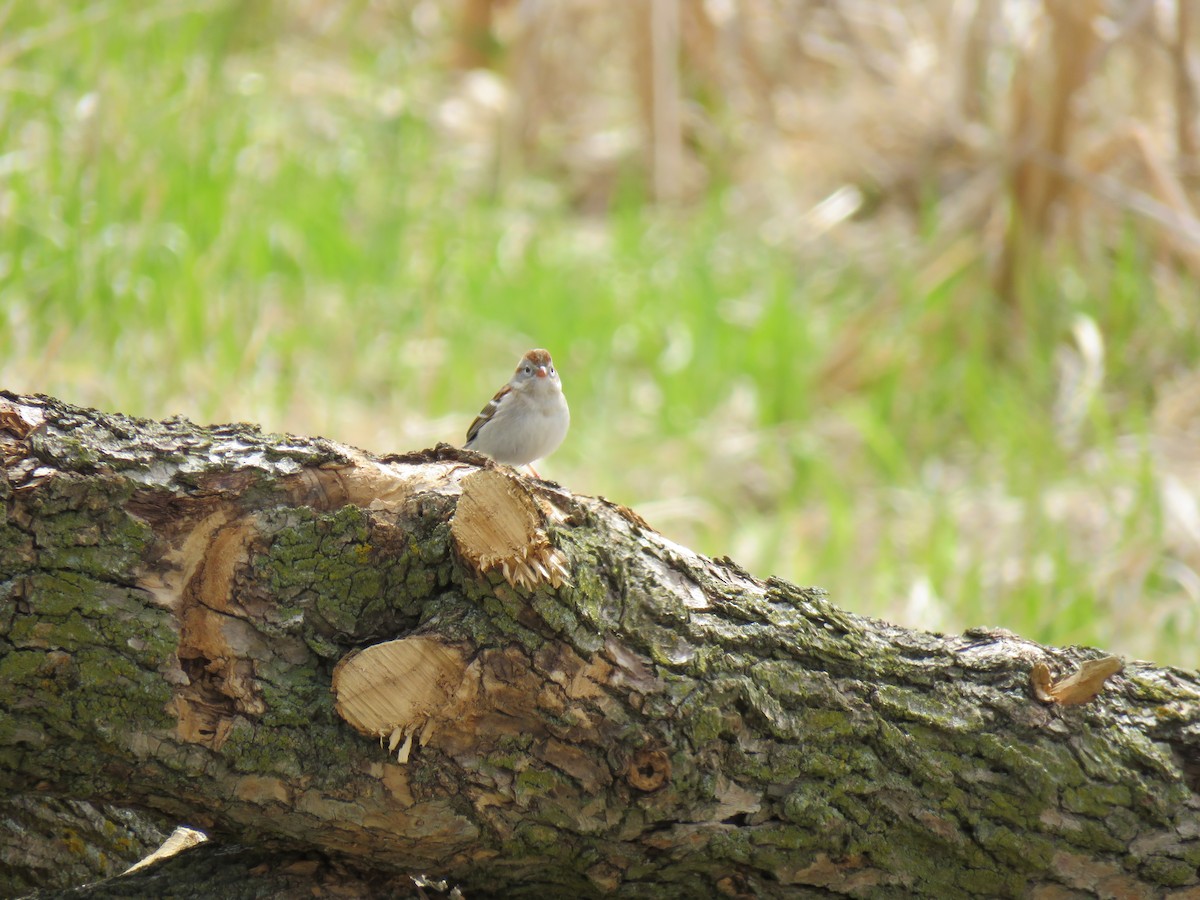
x: 527, y: 419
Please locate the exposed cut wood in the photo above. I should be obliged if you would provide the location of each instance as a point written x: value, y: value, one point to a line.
x: 498, y: 525
x: 395, y: 689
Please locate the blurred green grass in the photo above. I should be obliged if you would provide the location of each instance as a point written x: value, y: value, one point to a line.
x: 204, y: 212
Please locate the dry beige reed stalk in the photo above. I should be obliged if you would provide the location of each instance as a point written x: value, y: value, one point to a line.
x: 1006, y: 114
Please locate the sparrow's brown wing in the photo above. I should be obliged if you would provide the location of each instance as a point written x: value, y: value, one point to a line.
x: 486, y: 413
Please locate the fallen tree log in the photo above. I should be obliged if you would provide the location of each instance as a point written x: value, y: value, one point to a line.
x: 350, y: 671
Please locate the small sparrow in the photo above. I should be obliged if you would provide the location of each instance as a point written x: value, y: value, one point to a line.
x: 528, y: 417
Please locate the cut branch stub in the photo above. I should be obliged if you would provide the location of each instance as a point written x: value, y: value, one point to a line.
x: 391, y: 690
x: 649, y: 770
x: 498, y: 524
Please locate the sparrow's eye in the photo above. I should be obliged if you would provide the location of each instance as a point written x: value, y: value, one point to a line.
x: 528, y: 370
x: 552, y: 372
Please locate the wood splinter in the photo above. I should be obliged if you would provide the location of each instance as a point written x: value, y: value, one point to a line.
x: 1076, y: 688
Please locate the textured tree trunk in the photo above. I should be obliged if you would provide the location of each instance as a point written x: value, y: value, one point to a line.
x: 350, y: 671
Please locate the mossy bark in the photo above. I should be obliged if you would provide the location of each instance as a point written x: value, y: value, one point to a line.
x: 174, y: 601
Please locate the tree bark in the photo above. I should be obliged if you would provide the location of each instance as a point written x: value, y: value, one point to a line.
x: 351, y: 670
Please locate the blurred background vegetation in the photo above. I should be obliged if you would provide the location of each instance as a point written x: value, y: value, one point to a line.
x: 896, y: 298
